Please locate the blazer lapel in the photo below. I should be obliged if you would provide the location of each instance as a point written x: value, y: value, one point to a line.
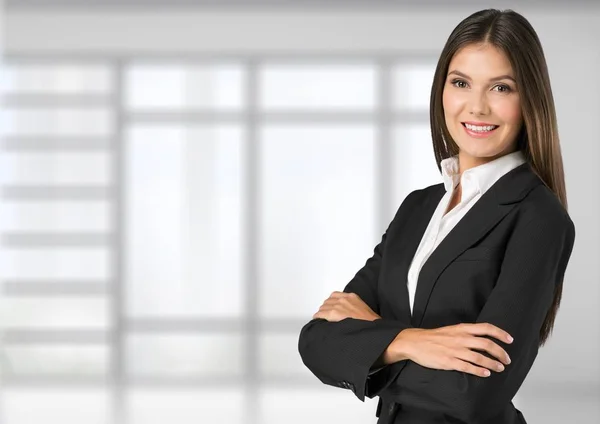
x: 403, y: 249
x: 500, y: 199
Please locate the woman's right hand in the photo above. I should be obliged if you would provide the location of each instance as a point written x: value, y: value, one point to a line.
x: 454, y: 348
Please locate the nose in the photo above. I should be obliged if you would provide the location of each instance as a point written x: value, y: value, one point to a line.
x: 479, y: 104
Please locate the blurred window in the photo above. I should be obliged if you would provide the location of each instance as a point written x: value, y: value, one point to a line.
x: 169, y: 225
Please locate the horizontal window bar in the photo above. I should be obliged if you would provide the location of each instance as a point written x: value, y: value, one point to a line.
x: 219, y: 381
x: 15, y: 100
x: 56, y: 143
x: 40, y: 382
x: 18, y: 192
x: 140, y: 325
x: 279, y: 117
x: 155, y: 382
x: 27, y: 336
x: 23, y: 240
x: 164, y: 326
x: 55, y: 288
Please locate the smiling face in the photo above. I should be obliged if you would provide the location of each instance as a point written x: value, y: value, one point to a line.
x: 481, y: 104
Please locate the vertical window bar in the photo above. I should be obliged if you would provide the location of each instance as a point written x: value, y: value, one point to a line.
x: 118, y: 335
x: 250, y: 226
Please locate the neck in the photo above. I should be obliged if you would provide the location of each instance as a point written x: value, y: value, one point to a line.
x: 466, y: 162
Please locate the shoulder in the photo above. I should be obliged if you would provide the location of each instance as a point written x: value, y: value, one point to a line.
x: 419, y: 197
x: 425, y: 193
x: 542, y: 206
x: 416, y: 199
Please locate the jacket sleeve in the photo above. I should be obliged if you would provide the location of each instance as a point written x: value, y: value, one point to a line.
x: 344, y: 354
x: 534, y: 263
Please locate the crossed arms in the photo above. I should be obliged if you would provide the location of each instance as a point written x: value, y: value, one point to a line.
x: 347, y: 353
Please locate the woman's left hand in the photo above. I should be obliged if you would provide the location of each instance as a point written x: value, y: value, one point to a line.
x: 341, y: 305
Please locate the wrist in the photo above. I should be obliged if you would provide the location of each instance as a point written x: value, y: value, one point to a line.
x: 401, y: 346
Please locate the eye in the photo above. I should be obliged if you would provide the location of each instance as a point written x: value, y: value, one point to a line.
x: 503, y: 88
x: 457, y: 83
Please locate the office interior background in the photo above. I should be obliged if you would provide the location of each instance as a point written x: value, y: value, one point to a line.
x: 184, y: 183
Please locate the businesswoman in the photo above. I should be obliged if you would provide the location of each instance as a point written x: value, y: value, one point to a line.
x: 444, y: 321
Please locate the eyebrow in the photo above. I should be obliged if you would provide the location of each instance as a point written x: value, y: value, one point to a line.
x: 501, y: 77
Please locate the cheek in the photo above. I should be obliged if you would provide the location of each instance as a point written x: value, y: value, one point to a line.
x: 451, y: 103
x: 509, y: 111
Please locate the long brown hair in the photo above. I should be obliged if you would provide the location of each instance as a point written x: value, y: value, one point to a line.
x: 538, y: 139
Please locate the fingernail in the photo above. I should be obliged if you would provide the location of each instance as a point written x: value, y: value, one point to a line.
x: 508, y: 359
x: 510, y: 339
x: 486, y: 373
x: 500, y: 367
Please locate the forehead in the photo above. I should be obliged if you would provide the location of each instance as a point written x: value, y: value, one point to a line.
x: 479, y: 61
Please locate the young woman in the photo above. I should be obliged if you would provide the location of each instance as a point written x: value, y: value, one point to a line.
x: 444, y: 321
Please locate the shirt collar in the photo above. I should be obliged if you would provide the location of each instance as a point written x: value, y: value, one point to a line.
x: 480, y: 177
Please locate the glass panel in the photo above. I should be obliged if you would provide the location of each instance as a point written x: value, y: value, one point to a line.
x: 56, y: 405
x: 56, y: 168
x: 318, y: 87
x: 184, y: 214
x: 318, y: 405
x: 279, y: 356
x: 55, y: 263
x: 56, y: 216
x: 57, y: 79
x: 95, y: 121
x: 318, y: 213
x: 412, y: 86
x: 186, y: 406
x: 179, y: 86
x: 186, y: 356
x: 55, y: 312
x: 62, y: 360
x: 413, y: 162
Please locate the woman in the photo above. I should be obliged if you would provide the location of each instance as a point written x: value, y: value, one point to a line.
x: 444, y: 321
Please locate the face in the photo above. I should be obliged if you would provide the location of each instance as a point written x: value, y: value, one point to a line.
x: 481, y: 105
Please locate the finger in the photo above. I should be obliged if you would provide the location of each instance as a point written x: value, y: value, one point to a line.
x: 324, y: 313
x: 331, y: 316
x: 469, y: 368
x: 326, y: 308
x: 330, y: 300
x: 343, y: 296
x: 480, y: 360
x: 487, y: 329
x: 489, y: 346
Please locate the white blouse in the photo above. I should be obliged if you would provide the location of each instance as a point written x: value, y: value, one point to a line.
x: 475, y: 182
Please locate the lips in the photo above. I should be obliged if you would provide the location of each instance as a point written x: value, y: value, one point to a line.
x: 479, y: 124
x: 464, y: 124
x: 479, y: 134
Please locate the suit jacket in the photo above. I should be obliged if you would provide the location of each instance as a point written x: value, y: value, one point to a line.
x: 500, y: 264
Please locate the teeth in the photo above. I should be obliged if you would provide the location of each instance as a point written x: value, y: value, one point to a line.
x: 481, y: 129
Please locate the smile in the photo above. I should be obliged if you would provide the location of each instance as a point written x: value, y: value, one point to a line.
x: 479, y: 131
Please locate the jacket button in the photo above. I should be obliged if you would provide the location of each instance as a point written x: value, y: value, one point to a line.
x: 392, y: 407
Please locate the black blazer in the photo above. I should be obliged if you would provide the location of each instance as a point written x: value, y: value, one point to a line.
x: 500, y: 264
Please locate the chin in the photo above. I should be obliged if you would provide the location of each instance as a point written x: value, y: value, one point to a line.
x: 480, y: 153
